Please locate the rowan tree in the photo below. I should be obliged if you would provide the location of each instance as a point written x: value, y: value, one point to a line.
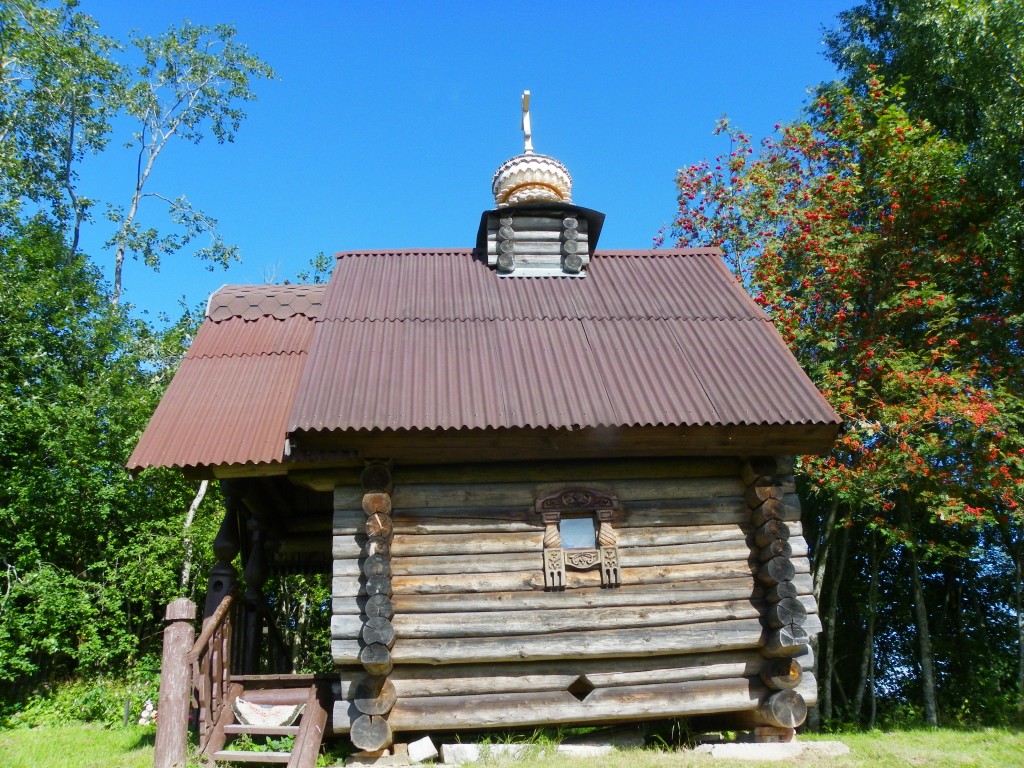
x: 857, y: 230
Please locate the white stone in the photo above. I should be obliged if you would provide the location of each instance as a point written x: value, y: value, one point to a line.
x: 764, y: 752
x: 421, y: 750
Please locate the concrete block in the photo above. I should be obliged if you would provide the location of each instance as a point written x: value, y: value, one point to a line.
x: 421, y: 750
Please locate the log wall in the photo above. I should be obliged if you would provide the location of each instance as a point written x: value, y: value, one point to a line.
x: 441, y: 619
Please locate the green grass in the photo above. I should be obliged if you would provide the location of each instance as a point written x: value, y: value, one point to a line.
x: 77, y: 746
x: 87, y: 747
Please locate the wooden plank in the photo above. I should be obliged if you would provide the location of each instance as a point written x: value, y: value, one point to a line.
x: 712, y: 589
x: 691, y: 638
x: 627, y: 703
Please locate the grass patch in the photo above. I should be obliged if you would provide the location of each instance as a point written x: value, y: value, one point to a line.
x: 77, y: 746
x: 84, y: 746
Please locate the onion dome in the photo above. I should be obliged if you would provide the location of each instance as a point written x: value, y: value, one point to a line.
x: 529, y: 177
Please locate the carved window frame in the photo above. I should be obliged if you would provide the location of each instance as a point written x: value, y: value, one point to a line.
x: 578, y: 502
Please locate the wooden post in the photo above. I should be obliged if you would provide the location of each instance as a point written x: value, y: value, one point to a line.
x: 171, y: 748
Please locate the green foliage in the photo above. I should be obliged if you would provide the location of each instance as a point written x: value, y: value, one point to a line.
x: 89, y: 556
x: 860, y: 233
x: 56, y: 83
x: 191, y: 80
x: 100, y: 701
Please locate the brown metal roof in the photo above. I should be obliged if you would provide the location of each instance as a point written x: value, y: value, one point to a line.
x: 435, y: 340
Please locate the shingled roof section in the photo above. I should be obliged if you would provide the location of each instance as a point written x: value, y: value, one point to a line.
x: 429, y: 340
x: 231, y: 396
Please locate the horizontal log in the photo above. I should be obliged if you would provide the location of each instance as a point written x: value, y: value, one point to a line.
x: 513, y: 623
x: 582, y: 472
x: 784, y: 642
x: 376, y: 658
x: 376, y: 503
x: 410, y: 496
x: 522, y: 518
x: 761, y: 466
x: 720, y: 589
x: 345, y: 652
x: 788, y: 611
x: 454, y: 544
x: 370, y: 732
x: 777, y: 548
x: 507, y: 710
x: 467, y: 679
x: 347, y: 626
x: 772, y: 530
x: 374, y: 695
x: 782, y: 674
x: 690, y: 638
x: 346, y: 545
x: 350, y: 567
x: 784, y: 709
x: 377, y: 630
x: 349, y: 595
x: 775, y: 570
x: 736, y: 549
x: 534, y: 579
x: 483, y: 542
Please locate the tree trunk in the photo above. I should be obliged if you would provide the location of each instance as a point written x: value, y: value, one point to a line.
x: 829, y: 621
x: 822, y: 542
x: 186, y: 568
x: 931, y: 715
x: 867, y: 658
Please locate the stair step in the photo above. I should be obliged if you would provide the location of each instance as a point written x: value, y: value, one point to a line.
x: 262, y: 730
x: 236, y: 756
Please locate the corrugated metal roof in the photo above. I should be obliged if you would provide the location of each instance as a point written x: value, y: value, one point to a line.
x: 435, y: 340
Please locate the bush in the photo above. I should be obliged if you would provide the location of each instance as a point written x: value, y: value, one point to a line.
x: 99, y: 701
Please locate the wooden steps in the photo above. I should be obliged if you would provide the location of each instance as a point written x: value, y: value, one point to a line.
x: 308, y: 733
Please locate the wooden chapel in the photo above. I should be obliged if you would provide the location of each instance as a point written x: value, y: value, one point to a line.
x: 551, y: 484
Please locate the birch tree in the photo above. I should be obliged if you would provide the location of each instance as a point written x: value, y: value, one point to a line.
x: 191, y: 85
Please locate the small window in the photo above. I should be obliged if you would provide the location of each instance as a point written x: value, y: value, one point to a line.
x: 578, y: 532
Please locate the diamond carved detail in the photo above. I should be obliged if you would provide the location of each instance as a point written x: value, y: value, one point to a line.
x: 581, y: 688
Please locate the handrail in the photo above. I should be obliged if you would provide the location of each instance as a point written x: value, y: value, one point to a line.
x: 210, y: 658
x: 210, y: 626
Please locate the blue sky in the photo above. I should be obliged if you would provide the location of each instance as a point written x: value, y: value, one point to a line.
x: 387, y: 120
